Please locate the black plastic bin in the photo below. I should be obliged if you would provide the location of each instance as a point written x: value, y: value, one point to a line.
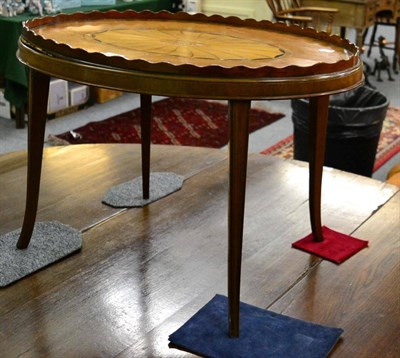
x: 354, y: 126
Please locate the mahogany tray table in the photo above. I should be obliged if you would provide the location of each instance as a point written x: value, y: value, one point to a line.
x: 193, y: 56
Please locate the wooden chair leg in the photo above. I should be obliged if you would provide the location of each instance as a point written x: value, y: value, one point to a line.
x: 239, y: 112
x: 342, y: 32
x: 364, y: 36
x: 396, y: 55
x: 319, y: 107
x: 372, y: 39
x: 145, y: 111
x: 38, y: 97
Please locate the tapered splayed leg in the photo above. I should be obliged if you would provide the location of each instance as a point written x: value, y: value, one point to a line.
x: 317, y: 138
x: 145, y: 111
x: 239, y: 112
x: 38, y: 96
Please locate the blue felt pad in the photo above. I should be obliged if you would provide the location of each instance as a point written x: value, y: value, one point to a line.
x: 262, y: 334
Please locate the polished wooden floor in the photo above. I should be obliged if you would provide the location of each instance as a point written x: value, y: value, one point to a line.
x: 143, y: 272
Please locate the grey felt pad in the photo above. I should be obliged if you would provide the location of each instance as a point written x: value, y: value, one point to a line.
x: 130, y: 194
x: 50, y: 242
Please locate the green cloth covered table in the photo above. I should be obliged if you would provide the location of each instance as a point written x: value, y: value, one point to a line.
x: 15, y: 74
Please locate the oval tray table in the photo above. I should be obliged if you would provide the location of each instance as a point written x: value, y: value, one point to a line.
x: 191, y: 56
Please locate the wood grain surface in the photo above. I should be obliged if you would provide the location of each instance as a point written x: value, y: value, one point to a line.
x: 191, y: 42
x: 143, y: 272
x: 362, y: 295
x: 76, y: 178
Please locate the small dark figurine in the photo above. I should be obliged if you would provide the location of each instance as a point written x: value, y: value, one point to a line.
x: 383, y: 64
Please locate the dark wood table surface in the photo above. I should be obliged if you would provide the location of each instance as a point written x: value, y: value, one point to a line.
x: 143, y: 272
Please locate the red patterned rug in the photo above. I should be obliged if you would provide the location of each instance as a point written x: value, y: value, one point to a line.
x: 176, y: 121
x: 388, y: 146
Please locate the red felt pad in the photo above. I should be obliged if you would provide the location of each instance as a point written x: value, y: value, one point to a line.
x: 336, y: 247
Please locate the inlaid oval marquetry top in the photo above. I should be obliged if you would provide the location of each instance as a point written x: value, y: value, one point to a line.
x: 186, y: 40
x: 158, y: 41
x: 194, y: 56
x: 154, y: 42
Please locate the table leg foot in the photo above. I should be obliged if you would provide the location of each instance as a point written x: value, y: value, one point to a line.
x: 145, y: 109
x: 38, y: 96
x: 239, y: 112
x: 317, y: 138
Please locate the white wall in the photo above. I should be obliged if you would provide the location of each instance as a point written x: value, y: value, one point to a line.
x: 256, y: 9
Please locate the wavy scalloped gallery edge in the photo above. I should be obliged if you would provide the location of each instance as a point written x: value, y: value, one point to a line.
x: 264, y: 71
